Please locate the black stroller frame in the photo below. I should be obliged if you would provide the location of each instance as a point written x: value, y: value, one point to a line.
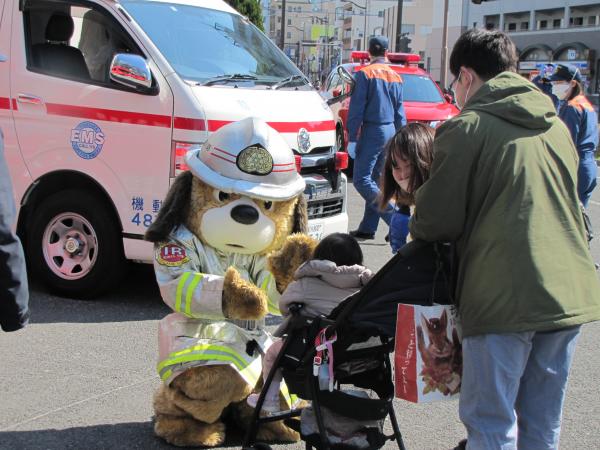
x: 379, y: 299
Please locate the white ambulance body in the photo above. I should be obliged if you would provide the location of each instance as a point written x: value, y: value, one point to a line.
x: 100, y: 100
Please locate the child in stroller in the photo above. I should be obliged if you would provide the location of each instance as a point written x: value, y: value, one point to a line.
x: 334, y: 272
x: 355, y: 339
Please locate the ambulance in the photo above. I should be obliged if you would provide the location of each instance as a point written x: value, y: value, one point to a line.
x: 101, y: 99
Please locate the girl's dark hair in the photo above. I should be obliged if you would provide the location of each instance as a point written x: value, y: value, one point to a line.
x: 340, y: 248
x: 413, y: 143
x: 488, y: 53
x: 577, y: 90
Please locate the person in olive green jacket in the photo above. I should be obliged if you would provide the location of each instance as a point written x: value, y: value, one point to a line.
x: 503, y: 187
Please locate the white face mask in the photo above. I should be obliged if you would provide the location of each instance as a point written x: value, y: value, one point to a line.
x: 560, y: 90
x: 459, y: 106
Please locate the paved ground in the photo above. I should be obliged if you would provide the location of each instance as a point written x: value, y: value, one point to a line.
x: 81, y: 376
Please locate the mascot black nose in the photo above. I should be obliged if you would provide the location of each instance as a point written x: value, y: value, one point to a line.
x: 245, y: 214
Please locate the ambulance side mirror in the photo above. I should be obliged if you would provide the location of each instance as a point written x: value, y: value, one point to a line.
x: 347, y: 78
x: 132, y: 71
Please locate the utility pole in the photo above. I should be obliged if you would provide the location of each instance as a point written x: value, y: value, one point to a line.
x: 399, y: 25
x: 366, y: 27
x: 444, y: 65
x: 282, y: 37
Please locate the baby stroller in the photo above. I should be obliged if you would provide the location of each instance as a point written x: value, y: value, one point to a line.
x: 356, y: 340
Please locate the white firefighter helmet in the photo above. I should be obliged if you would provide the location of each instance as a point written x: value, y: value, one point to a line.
x: 248, y: 157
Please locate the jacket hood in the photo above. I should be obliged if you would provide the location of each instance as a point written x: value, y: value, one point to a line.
x: 514, y: 99
x: 343, y: 277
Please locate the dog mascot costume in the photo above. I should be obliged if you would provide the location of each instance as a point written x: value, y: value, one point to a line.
x: 224, y: 251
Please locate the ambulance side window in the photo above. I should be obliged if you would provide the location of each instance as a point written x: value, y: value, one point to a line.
x: 73, y: 41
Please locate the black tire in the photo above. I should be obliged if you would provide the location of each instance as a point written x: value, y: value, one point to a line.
x: 74, y: 244
x: 340, y: 147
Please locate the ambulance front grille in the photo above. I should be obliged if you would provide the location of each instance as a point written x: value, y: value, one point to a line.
x: 318, y: 209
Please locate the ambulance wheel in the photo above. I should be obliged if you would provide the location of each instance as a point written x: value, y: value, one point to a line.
x: 258, y: 446
x: 340, y: 147
x: 74, y: 246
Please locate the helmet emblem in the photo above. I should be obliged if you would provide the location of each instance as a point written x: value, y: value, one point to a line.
x: 255, y: 160
x: 303, y: 140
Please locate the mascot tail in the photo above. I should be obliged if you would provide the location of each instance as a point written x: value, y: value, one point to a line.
x: 174, y: 210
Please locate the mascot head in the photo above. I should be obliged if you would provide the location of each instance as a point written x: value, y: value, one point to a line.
x: 242, y: 194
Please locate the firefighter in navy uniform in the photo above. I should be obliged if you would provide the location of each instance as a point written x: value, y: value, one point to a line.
x: 376, y: 113
x: 14, y: 293
x: 582, y: 121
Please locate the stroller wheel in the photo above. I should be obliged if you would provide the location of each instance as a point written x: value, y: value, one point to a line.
x: 258, y: 446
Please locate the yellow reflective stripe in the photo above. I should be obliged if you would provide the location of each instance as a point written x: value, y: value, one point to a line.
x: 166, y: 375
x: 182, y: 281
x: 205, y: 357
x: 271, y: 306
x: 190, y: 293
x: 243, y: 366
x: 175, y: 357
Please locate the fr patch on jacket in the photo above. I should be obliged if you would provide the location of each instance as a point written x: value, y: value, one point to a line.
x: 171, y: 255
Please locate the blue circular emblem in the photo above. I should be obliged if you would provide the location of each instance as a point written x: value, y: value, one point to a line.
x: 87, y: 140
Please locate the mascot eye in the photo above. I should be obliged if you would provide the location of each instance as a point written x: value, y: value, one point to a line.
x: 268, y: 205
x: 221, y: 196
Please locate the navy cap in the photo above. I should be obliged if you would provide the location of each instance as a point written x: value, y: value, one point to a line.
x: 565, y: 72
x: 378, y: 45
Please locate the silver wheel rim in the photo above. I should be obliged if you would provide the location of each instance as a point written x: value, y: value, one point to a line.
x: 70, y: 246
x: 338, y: 141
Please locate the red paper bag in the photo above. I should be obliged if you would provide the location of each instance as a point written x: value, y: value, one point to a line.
x: 428, y: 353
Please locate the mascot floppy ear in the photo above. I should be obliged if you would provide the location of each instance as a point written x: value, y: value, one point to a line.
x: 300, y: 216
x: 174, y: 210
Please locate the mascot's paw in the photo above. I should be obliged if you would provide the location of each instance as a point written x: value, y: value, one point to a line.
x: 188, y: 432
x: 270, y: 431
x: 242, y: 299
x: 298, y: 249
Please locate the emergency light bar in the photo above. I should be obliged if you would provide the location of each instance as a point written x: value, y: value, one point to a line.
x: 359, y: 56
x: 406, y: 58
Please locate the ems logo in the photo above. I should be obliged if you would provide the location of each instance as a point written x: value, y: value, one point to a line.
x: 171, y: 255
x: 87, y: 140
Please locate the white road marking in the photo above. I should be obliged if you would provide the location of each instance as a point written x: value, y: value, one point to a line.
x: 92, y: 397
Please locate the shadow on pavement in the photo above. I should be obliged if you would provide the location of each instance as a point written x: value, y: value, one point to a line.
x: 133, y: 435
x: 136, y: 298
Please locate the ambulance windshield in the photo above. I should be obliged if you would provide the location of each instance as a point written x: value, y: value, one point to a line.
x: 210, y: 47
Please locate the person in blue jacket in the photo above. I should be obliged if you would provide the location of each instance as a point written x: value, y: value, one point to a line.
x: 582, y: 121
x: 542, y: 81
x: 375, y: 114
x: 14, y: 292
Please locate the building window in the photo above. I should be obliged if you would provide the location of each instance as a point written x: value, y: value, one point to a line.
x: 408, y: 28
x: 543, y: 24
x: 512, y: 26
x: 288, y: 35
x: 592, y: 20
x: 289, y: 21
x: 279, y: 20
x: 379, y: 13
x: 556, y: 23
x: 576, y: 21
x: 490, y: 26
x: 524, y: 25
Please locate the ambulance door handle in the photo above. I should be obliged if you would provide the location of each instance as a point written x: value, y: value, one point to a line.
x: 26, y: 98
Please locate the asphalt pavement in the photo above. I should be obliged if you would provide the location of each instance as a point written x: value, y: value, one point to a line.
x: 81, y: 375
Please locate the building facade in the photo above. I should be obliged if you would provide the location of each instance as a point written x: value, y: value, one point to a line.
x: 547, y: 31
x: 417, y: 17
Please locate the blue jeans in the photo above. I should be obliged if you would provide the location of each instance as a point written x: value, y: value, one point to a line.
x: 586, y: 177
x: 513, y: 387
x: 369, y: 160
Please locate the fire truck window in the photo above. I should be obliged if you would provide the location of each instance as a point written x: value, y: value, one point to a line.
x: 74, y: 42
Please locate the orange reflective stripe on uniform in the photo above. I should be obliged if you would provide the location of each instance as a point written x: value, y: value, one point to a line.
x: 381, y: 72
x: 580, y: 102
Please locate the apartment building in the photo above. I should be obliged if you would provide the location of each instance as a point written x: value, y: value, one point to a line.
x: 547, y: 31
